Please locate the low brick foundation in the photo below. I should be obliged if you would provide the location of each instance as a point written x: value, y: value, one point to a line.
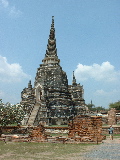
x: 82, y: 129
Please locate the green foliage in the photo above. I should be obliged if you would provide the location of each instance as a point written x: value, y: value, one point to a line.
x: 100, y: 108
x: 10, y: 114
x: 92, y: 107
x: 115, y: 105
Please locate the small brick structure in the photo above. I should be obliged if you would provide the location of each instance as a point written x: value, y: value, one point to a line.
x: 112, y: 117
x: 86, y: 129
x: 38, y: 134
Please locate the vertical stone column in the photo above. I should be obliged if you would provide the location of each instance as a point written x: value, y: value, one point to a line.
x: 112, y: 117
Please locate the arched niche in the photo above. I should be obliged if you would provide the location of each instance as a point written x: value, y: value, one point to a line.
x: 38, y: 93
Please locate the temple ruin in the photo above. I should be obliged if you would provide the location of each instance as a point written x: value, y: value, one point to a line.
x: 52, y: 100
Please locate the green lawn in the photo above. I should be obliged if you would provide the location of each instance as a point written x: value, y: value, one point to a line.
x: 40, y: 151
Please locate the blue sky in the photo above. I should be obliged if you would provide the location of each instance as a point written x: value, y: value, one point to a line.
x: 88, y: 42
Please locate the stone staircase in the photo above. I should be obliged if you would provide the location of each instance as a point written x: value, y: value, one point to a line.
x: 33, y: 114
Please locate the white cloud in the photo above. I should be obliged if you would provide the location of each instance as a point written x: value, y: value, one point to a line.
x: 10, y: 72
x: 14, y: 12
x: 103, y: 93
x: 100, y: 92
x: 104, y: 72
x: 1, y: 93
x: 103, y: 97
x: 11, y: 10
x: 4, y: 3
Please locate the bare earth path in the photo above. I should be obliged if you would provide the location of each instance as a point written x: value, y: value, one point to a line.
x: 108, y: 150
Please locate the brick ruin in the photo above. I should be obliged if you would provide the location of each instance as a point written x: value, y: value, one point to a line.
x: 21, y: 134
x: 80, y: 129
x: 85, y: 128
x: 112, y: 119
x: 52, y: 98
x: 38, y: 134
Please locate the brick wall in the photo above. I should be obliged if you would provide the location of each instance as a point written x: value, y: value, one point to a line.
x: 85, y: 128
x: 38, y: 133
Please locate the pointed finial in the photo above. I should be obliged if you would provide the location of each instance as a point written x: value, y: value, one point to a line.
x: 91, y: 102
x: 73, y: 75
x: 74, y: 80
x: 52, y: 25
x: 29, y: 84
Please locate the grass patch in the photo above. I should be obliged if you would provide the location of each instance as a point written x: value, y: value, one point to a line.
x: 40, y: 151
x: 106, y: 125
x: 14, y: 124
x: 58, y: 134
x: 58, y: 126
x: 116, y: 135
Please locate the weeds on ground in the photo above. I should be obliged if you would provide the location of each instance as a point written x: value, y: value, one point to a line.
x: 41, y: 151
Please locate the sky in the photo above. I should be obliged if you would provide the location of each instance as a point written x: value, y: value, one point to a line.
x: 88, y: 42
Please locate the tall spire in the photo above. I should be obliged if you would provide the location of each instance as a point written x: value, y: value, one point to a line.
x: 29, y: 85
x: 51, y: 52
x: 74, y: 80
x: 51, y: 47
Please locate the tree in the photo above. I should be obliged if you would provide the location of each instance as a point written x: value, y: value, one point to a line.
x: 115, y: 105
x: 11, y: 114
x: 92, y: 107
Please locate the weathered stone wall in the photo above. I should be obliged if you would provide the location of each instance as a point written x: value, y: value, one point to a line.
x: 85, y: 128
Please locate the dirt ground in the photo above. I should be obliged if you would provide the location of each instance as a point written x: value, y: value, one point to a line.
x: 9, y: 155
x: 92, y: 148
